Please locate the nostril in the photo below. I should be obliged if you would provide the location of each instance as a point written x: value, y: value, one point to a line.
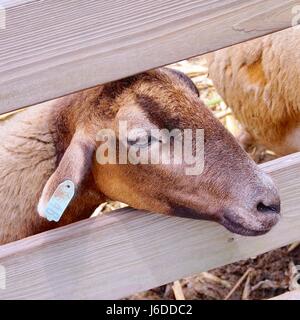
x: 275, y: 208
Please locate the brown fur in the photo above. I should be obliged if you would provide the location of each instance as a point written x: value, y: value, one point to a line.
x: 260, y: 81
x: 47, y: 144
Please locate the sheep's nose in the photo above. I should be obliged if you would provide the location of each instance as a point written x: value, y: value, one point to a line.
x: 267, y: 209
x: 268, y: 198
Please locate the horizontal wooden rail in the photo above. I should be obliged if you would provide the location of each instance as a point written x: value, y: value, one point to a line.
x: 129, y: 251
x: 293, y: 295
x: 51, y: 48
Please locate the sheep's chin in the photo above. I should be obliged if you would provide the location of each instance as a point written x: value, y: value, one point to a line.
x: 241, y: 230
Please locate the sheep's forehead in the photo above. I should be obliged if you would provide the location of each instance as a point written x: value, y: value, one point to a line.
x: 161, y: 96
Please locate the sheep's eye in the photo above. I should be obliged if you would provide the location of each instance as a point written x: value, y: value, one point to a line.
x: 142, y: 142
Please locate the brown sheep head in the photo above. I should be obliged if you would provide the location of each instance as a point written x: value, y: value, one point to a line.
x: 230, y: 189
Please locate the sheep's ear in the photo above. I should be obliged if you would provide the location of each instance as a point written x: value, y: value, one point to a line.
x: 187, y: 80
x: 61, y: 187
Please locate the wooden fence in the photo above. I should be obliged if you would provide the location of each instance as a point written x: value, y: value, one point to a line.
x: 51, y: 48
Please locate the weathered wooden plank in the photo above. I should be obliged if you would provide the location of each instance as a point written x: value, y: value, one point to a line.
x: 293, y: 295
x: 51, y: 48
x: 129, y: 251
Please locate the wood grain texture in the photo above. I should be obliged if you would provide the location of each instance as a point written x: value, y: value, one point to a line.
x: 129, y: 251
x: 293, y: 295
x: 51, y: 48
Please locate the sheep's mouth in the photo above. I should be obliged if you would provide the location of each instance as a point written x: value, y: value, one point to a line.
x: 185, y: 212
x: 238, y: 228
x: 226, y: 220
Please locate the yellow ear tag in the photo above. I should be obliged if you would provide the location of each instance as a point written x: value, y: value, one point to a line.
x: 60, y: 200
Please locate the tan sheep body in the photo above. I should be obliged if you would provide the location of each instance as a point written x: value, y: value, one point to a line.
x: 260, y: 81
